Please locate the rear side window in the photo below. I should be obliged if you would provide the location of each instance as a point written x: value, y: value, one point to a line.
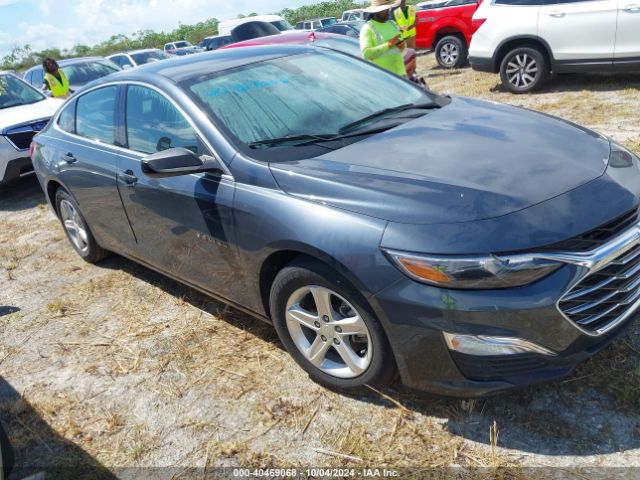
x: 154, y: 124
x: 67, y: 118
x: 95, y: 115
x: 28, y: 76
x: 38, y: 77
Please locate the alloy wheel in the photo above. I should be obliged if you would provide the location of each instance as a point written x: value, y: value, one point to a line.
x: 329, y: 332
x: 522, y: 70
x: 74, y: 226
x: 449, y: 53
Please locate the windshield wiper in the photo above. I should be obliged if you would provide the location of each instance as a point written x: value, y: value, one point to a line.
x: 301, y: 139
x: 384, y: 113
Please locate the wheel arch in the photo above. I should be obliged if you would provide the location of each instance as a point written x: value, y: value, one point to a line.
x: 286, y: 255
x: 446, y: 31
x: 521, y: 41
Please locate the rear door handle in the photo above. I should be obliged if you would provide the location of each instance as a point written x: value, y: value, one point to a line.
x: 69, y: 158
x: 127, y: 177
x: 632, y: 8
x: 557, y: 14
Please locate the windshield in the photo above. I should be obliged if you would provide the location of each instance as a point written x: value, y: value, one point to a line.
x: 14, y: 92
x: 81, y: 73
x: 328, y: 21
x: 307, y: 94
x: 150, y: 56
x: 282, y: 25
x: 358, y: 25
x: 182, y: 44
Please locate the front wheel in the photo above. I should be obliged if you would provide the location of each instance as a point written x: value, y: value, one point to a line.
x: 327, y: 329
x: 451, y: 52
x: 524, y: 70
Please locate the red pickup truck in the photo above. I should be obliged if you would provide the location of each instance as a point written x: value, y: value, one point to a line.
x: 446, y: 26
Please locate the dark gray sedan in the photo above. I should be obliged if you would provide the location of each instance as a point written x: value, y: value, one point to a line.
x: 467, y: 245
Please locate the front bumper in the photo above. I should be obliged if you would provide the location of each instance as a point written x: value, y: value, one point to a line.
x: 482, y: 64
x: 14, y: 164
x: 416, y: 315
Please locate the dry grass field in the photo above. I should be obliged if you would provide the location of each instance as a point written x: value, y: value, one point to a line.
x: 115, y: 366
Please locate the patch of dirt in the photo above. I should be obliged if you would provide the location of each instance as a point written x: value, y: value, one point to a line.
x: 118, y: 366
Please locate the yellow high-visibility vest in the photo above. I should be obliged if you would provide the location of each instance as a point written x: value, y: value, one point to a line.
x: 405, y: 22
x: 58, y: 89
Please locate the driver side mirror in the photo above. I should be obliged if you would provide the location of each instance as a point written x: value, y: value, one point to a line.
x: 178, y: 161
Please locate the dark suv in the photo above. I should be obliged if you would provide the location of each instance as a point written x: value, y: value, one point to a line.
x: 468, y: 245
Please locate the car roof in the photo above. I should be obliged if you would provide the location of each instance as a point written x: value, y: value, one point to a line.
x: 284, y: 39
x: 181, y: 68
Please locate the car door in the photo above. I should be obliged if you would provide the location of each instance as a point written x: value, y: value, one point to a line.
x: 579, y: 32
x: 627, y: 49
x: 85, y: 158
x: 184, y: 224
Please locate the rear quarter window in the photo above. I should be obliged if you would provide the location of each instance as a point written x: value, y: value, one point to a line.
x: 67, y: 118
x: 95, y: 114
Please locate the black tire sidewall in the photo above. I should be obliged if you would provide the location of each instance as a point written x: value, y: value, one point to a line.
x: 462, y: 48
x: 382, y: 367
x: 94, y: 253
x: 543, y: 69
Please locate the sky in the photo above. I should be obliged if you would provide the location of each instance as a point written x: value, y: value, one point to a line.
x: 62, y: 24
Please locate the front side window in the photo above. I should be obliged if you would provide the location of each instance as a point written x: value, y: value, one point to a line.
x: 95, y: 115
x: 302, y: 94
x: 67, y: 118
x: 154, y: 124
x: 15, y: 92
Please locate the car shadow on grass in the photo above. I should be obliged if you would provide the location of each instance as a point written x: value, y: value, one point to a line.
x: 21, y: 194
x: 594, y: 411
x: 578, y: 82
x: 31, y: 446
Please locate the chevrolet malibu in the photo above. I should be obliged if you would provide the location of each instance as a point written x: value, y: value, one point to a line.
x: 468, y: 246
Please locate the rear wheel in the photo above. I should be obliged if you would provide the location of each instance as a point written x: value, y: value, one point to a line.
x: 76, y: 228
x: 451, y: 52
x: 327, y: 329
x: 523, y: 70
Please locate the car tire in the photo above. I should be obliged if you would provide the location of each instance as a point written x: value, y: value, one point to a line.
x: 451, y: 52
x: 320, y: 344
x: 523, y: 70
x: 76, y: 228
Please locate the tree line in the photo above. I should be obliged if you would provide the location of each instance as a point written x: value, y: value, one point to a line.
x: 23, y: 57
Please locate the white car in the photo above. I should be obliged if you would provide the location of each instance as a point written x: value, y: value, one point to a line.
x: 24, y: 111
x: 353, y: 15
x: 526, y: 40
x: 137, y: 57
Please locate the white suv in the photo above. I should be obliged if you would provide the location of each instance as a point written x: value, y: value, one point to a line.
x: 24, y: 111
x: 526, y: 40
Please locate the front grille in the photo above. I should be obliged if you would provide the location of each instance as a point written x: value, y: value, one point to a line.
x: 596, y: 237
x: 606, y: 296
x: 21, y: 136
x: 21, y: 140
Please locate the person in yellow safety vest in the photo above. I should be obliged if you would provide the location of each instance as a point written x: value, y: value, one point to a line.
x: 381, y: 40
x: 405, y: 17
x: 54, y: 79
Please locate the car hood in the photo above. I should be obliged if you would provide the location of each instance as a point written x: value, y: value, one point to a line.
x: 21, y: 114
x: 468, y: 161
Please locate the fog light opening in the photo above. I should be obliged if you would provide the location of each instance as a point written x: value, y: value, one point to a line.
x: 483, y: 345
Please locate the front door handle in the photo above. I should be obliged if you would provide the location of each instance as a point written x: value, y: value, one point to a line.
x: 127, y: 177
x: 557, y: 14
x: 69, y: 158
x: 632, y: 8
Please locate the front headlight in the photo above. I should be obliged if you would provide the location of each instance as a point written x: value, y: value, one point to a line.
x: 473, y: 273
x: 620, y: 157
